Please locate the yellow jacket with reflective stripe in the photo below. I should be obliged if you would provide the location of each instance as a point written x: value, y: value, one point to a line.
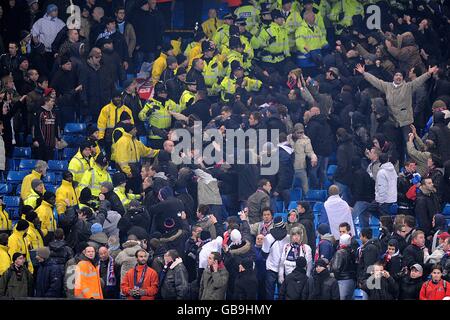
x: 160, y: 116
x: 313, y: 39
x: 158, y: 67
x: 246, y: 63
x: 251, y: 16
x: 350, y: 8
x: 78, y: 165
x: 186, y: 99
x: 5, y: 259
x: 124, y: 197
x: 31, y: 199
x: 233, y: 55
x: 66, y: 191
x: 210, y: 26
x: 34, y: 238
x: 221, y: 36
x: 228, y: 85
x: 129, y: 150
x: 5, y: 222
x: 212, y: 71
x: 26, y: 184
x: 195, y: 52
x: 45, y: 214
x: 93, y: 179
x: 274, y: 42
x: 110, y: 116
x: 293, y: 22
x: 18, y: 243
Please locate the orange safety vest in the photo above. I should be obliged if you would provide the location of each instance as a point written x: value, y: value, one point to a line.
x: 87, y: 281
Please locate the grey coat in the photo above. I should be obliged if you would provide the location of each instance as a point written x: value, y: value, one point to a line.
x: 256, y: 202
x: 399, y: 99
x: 213, y: 285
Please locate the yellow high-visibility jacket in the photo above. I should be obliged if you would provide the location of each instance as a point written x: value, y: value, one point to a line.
x: 5, y: 221
x: 129, y: 151
x: 26, y: 184
x: 34, y: 238
x: 109, y: 116
x: 5, y: 259
x: 228, y: 86
x: 124, y: 197
x: 274, y: 43
x: 18, y: 243
x: 93, y: 178
x: 66, y: 191
x: 45, y: 214
x: 158, y: 68
x: 31, y: 200
x: 210, y: 26
x: 160, y: 116
x: 78, y: 165
x: 186, y: 99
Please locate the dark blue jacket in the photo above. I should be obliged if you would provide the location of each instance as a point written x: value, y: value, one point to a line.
x: 286, y: 170
x: 49, y: 280
x: 326, y: 249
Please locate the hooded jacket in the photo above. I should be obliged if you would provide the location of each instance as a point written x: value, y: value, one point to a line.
x: 18, y: 243
x: 126, y: 259
x: 13, y: 287
x: 294, y: 287
x: 322, y: 286
x: 386, y: 184
x: 46, y: 29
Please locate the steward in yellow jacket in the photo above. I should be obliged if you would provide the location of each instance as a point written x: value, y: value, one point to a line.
x: 34, y: 237
x: 157, y: 112
x: 342, y: 13
x: 235, y: 53
x: 39, y: 171
x: 222, y: 34
x: 5, y: 221
x: 250, y: 13
x: 160, y: 63
x: 237, y: 82
x: 194, y: 49
x: 213, y: 70
x: 110, y: 115
x: 37, y: 191
x: 309, y: 42
x: 17, y: 242
x: 66, y: 191
x: 5, y: 259
x: 98, y: 174
x: 273, y: 41
x: 119, y: 183
x: 188, y: 96
x: 46, y: 215
x: 129, y: 152
x: 211, y: 25
x: 81, y: 161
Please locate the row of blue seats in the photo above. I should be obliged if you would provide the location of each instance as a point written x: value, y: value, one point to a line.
x: 20, y: 153
x: 16, y: 177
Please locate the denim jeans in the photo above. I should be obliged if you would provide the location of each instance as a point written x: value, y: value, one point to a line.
x: 318, y: 173
x: 271, y: 283
x: 359, y: 209
x: 301, y: 179
x: 346, y: 289
x: 376, y: 209
x: 344, y: 191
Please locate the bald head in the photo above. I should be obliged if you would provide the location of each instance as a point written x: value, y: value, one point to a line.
x: 168, y: 146
x: 103, y: 253
x: 314, y: 111
x: 98, y: 13
x: 333, y: 190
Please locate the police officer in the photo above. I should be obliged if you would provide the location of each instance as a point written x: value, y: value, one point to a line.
x: 222, y: 34
x: 248, y: 13
x: 188, y: 95
x: 213, y: 69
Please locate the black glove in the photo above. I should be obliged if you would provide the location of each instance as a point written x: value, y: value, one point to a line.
x: 272, y: 40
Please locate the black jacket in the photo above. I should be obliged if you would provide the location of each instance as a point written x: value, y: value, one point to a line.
x: 248, y: 176
x: 401, y: 242
x: 149, y: 28
x: 426, y: 207
x: 134, y: 103
x: 175, y: 89
x: 409, y: 288
x: 388, y: 291
x: 284, y: 176
x: 319, y: 131
x: 175, y: 285
x: 49, y: 279
x: 321, y: 286
x: 168, y: 208
x: 440, y: 134
x: 343, y: 265
x: 197, y: 76
x: 294, y: 286
x: 232, y: 259
x: 412, y: 255
x: 362, y: 186
x: 98, y: 87
x: 114, y: 200
x: 246, y: 286
x: 307, y: 220
x: 201, y: 109
x: 344, y: 154
x: 367, y: 255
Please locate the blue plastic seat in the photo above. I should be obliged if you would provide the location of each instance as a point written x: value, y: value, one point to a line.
x: 358, y: 294
x: 11, y: 201
x: 74, y: 128
x: 22, y: 152
x: 279, y: 206
x: 16, y: 177
x: 446, y: 211
x: 5, y: 188
x: 375, y: 232
x: 50, y: 187
x: 143, y: 139
x: 283, y: 215
x: 18, y: 189
x: 296, y: 194
x: 27, y: 164
x: 331, y: 170
x: 374, y: 222
x: 49, y: 178
x: 13, y: 213
x: 318, y: 207
x: 316, y: 195
x: 68, y: 153
x: 58, y: 165
x: 393, y: 209
x: 292, y: 205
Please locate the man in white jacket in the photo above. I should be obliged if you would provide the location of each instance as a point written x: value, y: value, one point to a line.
x: 336, y: 211
x: 46, y: 28
x: 385, y: 190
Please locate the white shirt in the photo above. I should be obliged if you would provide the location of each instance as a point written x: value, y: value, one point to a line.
x: 275, y: 251
x: 212, y: 246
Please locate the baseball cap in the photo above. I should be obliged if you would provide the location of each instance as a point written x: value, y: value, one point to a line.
x: 418, y: 267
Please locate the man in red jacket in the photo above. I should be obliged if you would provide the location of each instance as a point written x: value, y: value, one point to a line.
x: 141, y: 282
x: 436, y: 288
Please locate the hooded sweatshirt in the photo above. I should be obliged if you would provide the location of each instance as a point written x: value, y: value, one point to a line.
x: 386, y: 184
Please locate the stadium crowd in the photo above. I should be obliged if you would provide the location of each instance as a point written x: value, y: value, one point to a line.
x: 359, y: 207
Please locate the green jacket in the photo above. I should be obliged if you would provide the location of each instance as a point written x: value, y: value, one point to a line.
x: 12, y: 287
